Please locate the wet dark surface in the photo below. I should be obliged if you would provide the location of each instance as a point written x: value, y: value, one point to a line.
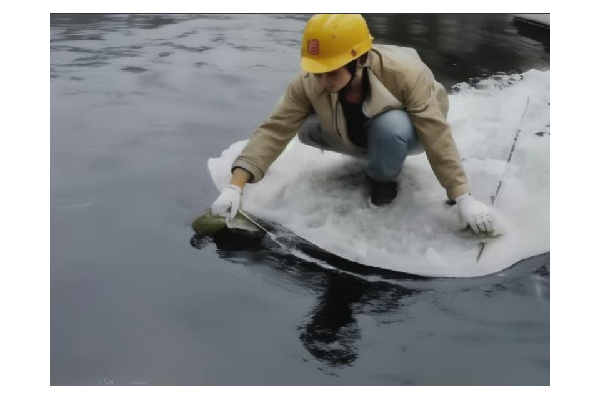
x: 138, y: 105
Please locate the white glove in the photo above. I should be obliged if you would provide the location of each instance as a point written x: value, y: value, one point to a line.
x: 476, y: 214
x: 228, y: 202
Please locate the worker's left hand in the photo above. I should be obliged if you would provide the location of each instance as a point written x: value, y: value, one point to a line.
x: 476, y: 214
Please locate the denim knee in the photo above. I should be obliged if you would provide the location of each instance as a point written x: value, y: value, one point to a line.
x: 311, y: 134
x: 391, y: 137
x: 394, y: 125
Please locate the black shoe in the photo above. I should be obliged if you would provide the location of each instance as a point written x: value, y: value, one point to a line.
x: 382, y: 193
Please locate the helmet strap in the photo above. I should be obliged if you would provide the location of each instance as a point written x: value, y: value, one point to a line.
x: 353, y: 69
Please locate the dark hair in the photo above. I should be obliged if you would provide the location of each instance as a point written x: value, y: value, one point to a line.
x: 352, y: 64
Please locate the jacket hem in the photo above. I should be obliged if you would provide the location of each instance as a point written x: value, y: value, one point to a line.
x: 255, y: 172
x: 458, y: 190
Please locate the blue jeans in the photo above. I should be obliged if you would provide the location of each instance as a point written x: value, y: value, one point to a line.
x: 391, y: 137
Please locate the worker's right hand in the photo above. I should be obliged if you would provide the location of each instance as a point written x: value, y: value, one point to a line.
x: 228, y: 202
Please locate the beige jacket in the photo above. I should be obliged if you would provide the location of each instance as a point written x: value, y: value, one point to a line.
x: 398, y: 80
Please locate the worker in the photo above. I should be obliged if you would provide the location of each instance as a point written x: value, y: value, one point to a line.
x: 379, y: 103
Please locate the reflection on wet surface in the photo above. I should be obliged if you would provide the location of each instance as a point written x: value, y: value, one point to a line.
x: 139, y: 103
x: 331, y: 332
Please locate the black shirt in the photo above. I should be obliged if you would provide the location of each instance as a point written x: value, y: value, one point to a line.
x: 355, y: 118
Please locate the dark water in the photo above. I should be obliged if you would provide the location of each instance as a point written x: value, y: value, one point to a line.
x: 138, y: 105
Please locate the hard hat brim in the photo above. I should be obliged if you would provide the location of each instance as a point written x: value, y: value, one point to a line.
x: 313, y: 66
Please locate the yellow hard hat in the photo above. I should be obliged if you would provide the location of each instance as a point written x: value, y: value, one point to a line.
x: 331, y: 41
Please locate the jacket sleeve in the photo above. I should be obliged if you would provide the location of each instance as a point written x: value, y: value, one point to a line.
x: 434, y: 132
x: 273, y: 135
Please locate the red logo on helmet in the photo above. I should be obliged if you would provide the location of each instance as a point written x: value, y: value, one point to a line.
x: 313, y: 47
